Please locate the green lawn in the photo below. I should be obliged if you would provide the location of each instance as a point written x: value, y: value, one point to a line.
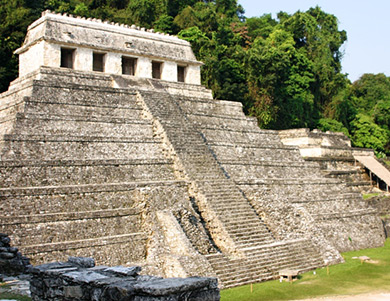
x: 348, y: 278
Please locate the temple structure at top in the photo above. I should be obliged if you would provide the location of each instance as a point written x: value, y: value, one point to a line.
x: 57, y: 40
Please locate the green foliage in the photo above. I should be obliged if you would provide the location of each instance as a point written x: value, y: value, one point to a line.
x: 327, y: 124
x: 370, y: 89
x: 81, y: 10
x: 165, y: 24
x: 174, y: 7
x: 145, y: 12
x: 366, y: 133
x: 280, y: 76
x: 201, y: 15
x: 381, y: 113
x: 198, y: 39
x: 261, y: 26
x: 317, y: 34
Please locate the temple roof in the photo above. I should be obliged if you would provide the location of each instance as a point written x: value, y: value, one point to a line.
x: 106, y: 36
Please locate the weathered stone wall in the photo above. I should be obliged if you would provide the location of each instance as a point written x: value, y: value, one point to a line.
x: 80, y: 279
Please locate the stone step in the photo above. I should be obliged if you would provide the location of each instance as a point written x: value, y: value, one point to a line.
x: 228, y: 191
x: 63, y: 148
x: 251, y: 220
x: 237, y: 214
x: 222, y: 202
x: 242, y: 244
x: 330, y: 198
x: 260, y: 234
x: 67, y: 172
x: 251, y: 265
x: 271, y: 254
x: 130, y: 110
x: 134, y: 245
x: 36, y: 117
x: 230, y: 208
x: 59, y: 231
x: 254, y: 240
x: 230, y: 271
x: 77, y: 197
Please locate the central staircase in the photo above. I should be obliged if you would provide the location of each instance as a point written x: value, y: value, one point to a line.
x: 250, y: 252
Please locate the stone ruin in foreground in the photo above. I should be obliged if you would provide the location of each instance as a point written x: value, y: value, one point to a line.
x: 110, y: 148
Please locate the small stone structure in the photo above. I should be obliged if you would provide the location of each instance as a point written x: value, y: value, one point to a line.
x: 357, y: 166
x: 316, y: 143
x: 80, y: 279
x: 12, y: 262
x: 288, y: 275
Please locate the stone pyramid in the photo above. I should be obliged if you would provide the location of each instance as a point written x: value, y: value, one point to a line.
x: 141, y: 170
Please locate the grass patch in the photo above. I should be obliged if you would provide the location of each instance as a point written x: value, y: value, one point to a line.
x: 14, y: 297
x: 349, y: 278
x: 367, y: 196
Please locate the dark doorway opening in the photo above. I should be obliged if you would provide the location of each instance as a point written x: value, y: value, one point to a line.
x: 98, y: 62
x: 67, y: 57
x: 128, y: 65
x: 156, y: 70
x: 181, y: 74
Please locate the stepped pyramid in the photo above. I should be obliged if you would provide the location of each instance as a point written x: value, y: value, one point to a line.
x: 148, y: 169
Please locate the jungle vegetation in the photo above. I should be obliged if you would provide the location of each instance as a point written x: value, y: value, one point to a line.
x: 285, y: 71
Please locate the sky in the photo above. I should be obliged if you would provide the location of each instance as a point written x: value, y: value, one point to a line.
x: 367, y: 23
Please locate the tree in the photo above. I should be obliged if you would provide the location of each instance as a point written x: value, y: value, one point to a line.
x: 365, y: 133
x: 381, y: 114
x: 201, y: 15
x: 317, y: 34
x: 279, y: 78
x: 327, y: 124
x: 15, y: 16
x: 145, y: 12
x: 174, y: 7
x: 370, y: 89
x: 260, y: 26
x: 165, y: 24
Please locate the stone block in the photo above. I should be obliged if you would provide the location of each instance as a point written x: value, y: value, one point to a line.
x: 103, y: 284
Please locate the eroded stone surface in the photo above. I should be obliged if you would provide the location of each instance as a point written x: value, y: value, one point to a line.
x: 11, y: 260
x: 115, y: 283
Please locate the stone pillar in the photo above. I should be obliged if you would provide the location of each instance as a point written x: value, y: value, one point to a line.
x: 144, y: 67
x: 32, y: 59
x: 169, y: 71
x: 83, y: 59
x: 113, y: 63
x: 193, y: 75
x: 52, y: 55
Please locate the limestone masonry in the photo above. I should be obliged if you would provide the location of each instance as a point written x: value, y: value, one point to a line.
x: 110, y: 148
